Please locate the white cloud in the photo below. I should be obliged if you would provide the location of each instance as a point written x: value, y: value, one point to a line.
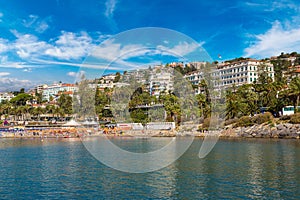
x: 34, y: 22
x: 13, y: 84
x: 181, y: 49
x: 4, y: 74
x: 71, y: 46
x: 111, y: 51
x: 110, y: 8
x: 275, y: 41
x: 270, y: 5
x: 283, y: 4
x: 3, y: 45
x: 27, y: 70
x: 76, y: 75
x: 27, y: 45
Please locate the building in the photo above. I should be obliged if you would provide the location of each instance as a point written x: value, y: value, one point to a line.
x: 234, y: 73
x: 107, y: 79
x: 40, y: 88
x: 243, y: 72
x: 56, y: 89
x: 6, y: 96
x: 161, y: 81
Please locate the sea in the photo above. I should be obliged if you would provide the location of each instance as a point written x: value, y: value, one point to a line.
x: 63, y: 168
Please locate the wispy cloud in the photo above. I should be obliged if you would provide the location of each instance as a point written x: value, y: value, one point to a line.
x: 71, y: 46
x: 3, y: 45
x: 181, y: 49
x: 110, y: 8
x: 76, y: 75
x: 271, y: 5
x: 1, y: 15
x: 27, y: 45
x: 34, y: 22
x: 4, y: 74
x: 12, y: 84
x: 27, y: 48
x: 276, y: 40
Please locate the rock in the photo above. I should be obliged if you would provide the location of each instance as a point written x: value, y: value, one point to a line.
x: 280, y: 127
x: 283, y: 133
x: 288, y: 125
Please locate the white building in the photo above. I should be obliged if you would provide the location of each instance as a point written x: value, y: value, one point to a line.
x: 243, y: 72
x: 40, y: 88
x: 160, y: 82
x: 55, y: 89
x: 235, y: 73
x: 6, y: 96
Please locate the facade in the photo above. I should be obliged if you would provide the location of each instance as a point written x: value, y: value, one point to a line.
x: 235, y: 73
x: 243, y: 72
x: 292, y: 72
x: 6, y: 96
x: 160, y: 82
x: 107, y: 79
x: 56, y: 89
x: 40, y: 88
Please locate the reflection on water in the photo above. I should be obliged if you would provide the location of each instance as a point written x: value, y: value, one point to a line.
x: 55, y: 169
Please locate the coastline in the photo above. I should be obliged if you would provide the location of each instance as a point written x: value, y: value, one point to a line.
x: 229, y: 133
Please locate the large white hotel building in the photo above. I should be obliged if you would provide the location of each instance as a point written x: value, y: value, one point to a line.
x: 234, y: 73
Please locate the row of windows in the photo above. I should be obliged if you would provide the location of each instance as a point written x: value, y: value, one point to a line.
x: 237, y: 75
x: 234, y: 81
x: 235, y: 70
x: 233, y: 76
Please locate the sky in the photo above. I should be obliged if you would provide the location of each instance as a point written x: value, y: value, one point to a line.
x: 58, y: 40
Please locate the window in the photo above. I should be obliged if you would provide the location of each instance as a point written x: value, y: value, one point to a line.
x: 250, y: 67
x: 254, y: 79
x: 250, y: 79
x: 250, y: 74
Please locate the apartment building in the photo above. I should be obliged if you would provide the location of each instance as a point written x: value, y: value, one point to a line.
x: 161, y: 81
x: 6, y: 96
x: 56, y: 89
x: 234, y: 73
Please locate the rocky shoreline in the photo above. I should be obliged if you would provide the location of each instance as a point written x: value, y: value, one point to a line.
x: 283, y: 130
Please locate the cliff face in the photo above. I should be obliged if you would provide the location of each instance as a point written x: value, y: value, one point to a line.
x: 285, y: 130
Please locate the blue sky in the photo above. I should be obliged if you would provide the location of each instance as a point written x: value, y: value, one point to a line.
x: 47, y: 41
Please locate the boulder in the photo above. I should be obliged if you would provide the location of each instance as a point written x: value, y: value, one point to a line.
x: 280, y: 127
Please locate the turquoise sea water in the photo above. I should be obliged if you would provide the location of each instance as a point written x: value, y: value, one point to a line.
x: 63, y: 169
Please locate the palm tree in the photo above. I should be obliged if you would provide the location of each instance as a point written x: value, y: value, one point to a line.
x: 294, y: 91
x: 233, y: 105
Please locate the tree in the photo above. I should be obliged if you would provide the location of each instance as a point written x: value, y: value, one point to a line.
x: 294, y: 92
x: 84, y: 101
x: 233, y: 105
x: 21, y: 99
x: 117, y: 78
x: 65, y: 103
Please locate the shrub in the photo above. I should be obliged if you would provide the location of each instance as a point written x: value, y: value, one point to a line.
x: 285, y: 117
x: 262, y: 118
x: 209, y: 124
x: 230, y: 121
x: 244, y: 121
x: 295, y: 119
x: 206, y: 123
